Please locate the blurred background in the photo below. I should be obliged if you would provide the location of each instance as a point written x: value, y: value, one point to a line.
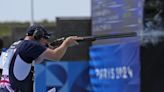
x: 74, y: 17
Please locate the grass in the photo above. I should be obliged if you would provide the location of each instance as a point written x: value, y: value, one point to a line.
x: 5, y: 28
x: 5, y: 31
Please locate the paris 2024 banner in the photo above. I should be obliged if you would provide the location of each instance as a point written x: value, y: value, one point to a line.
x: 115, y: 63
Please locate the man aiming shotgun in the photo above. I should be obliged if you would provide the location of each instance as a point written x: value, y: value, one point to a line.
x: 32, y: 49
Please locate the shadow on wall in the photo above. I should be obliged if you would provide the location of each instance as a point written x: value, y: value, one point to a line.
x: 1, y: 45
x: 6, y: 41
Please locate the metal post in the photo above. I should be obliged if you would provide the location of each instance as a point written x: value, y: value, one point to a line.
x: 32, y: 12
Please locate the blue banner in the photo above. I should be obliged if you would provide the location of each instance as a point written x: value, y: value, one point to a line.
x: 62, y: 77
x: 40, y: 78
x: 116, y: 16
x: 115, y: 68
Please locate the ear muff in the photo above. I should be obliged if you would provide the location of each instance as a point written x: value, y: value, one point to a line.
x: 38, y: 34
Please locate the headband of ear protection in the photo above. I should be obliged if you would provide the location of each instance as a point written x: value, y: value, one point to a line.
x: 38, y: 34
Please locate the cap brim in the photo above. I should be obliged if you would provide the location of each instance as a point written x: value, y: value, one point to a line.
x: 48, y: 35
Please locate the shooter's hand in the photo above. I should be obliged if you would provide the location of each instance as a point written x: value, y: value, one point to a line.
x: 72, y: 41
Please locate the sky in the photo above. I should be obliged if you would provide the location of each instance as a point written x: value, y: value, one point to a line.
x: 20, y: 10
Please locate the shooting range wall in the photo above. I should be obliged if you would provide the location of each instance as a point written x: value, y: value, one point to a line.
x: 79, y: 26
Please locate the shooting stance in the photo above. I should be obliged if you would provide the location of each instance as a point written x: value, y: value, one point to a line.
x: 33, y: 49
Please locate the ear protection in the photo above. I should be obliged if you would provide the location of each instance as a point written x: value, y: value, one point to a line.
x: 38, y: 34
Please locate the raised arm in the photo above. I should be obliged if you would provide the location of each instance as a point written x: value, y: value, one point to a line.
x: 58, y: 53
